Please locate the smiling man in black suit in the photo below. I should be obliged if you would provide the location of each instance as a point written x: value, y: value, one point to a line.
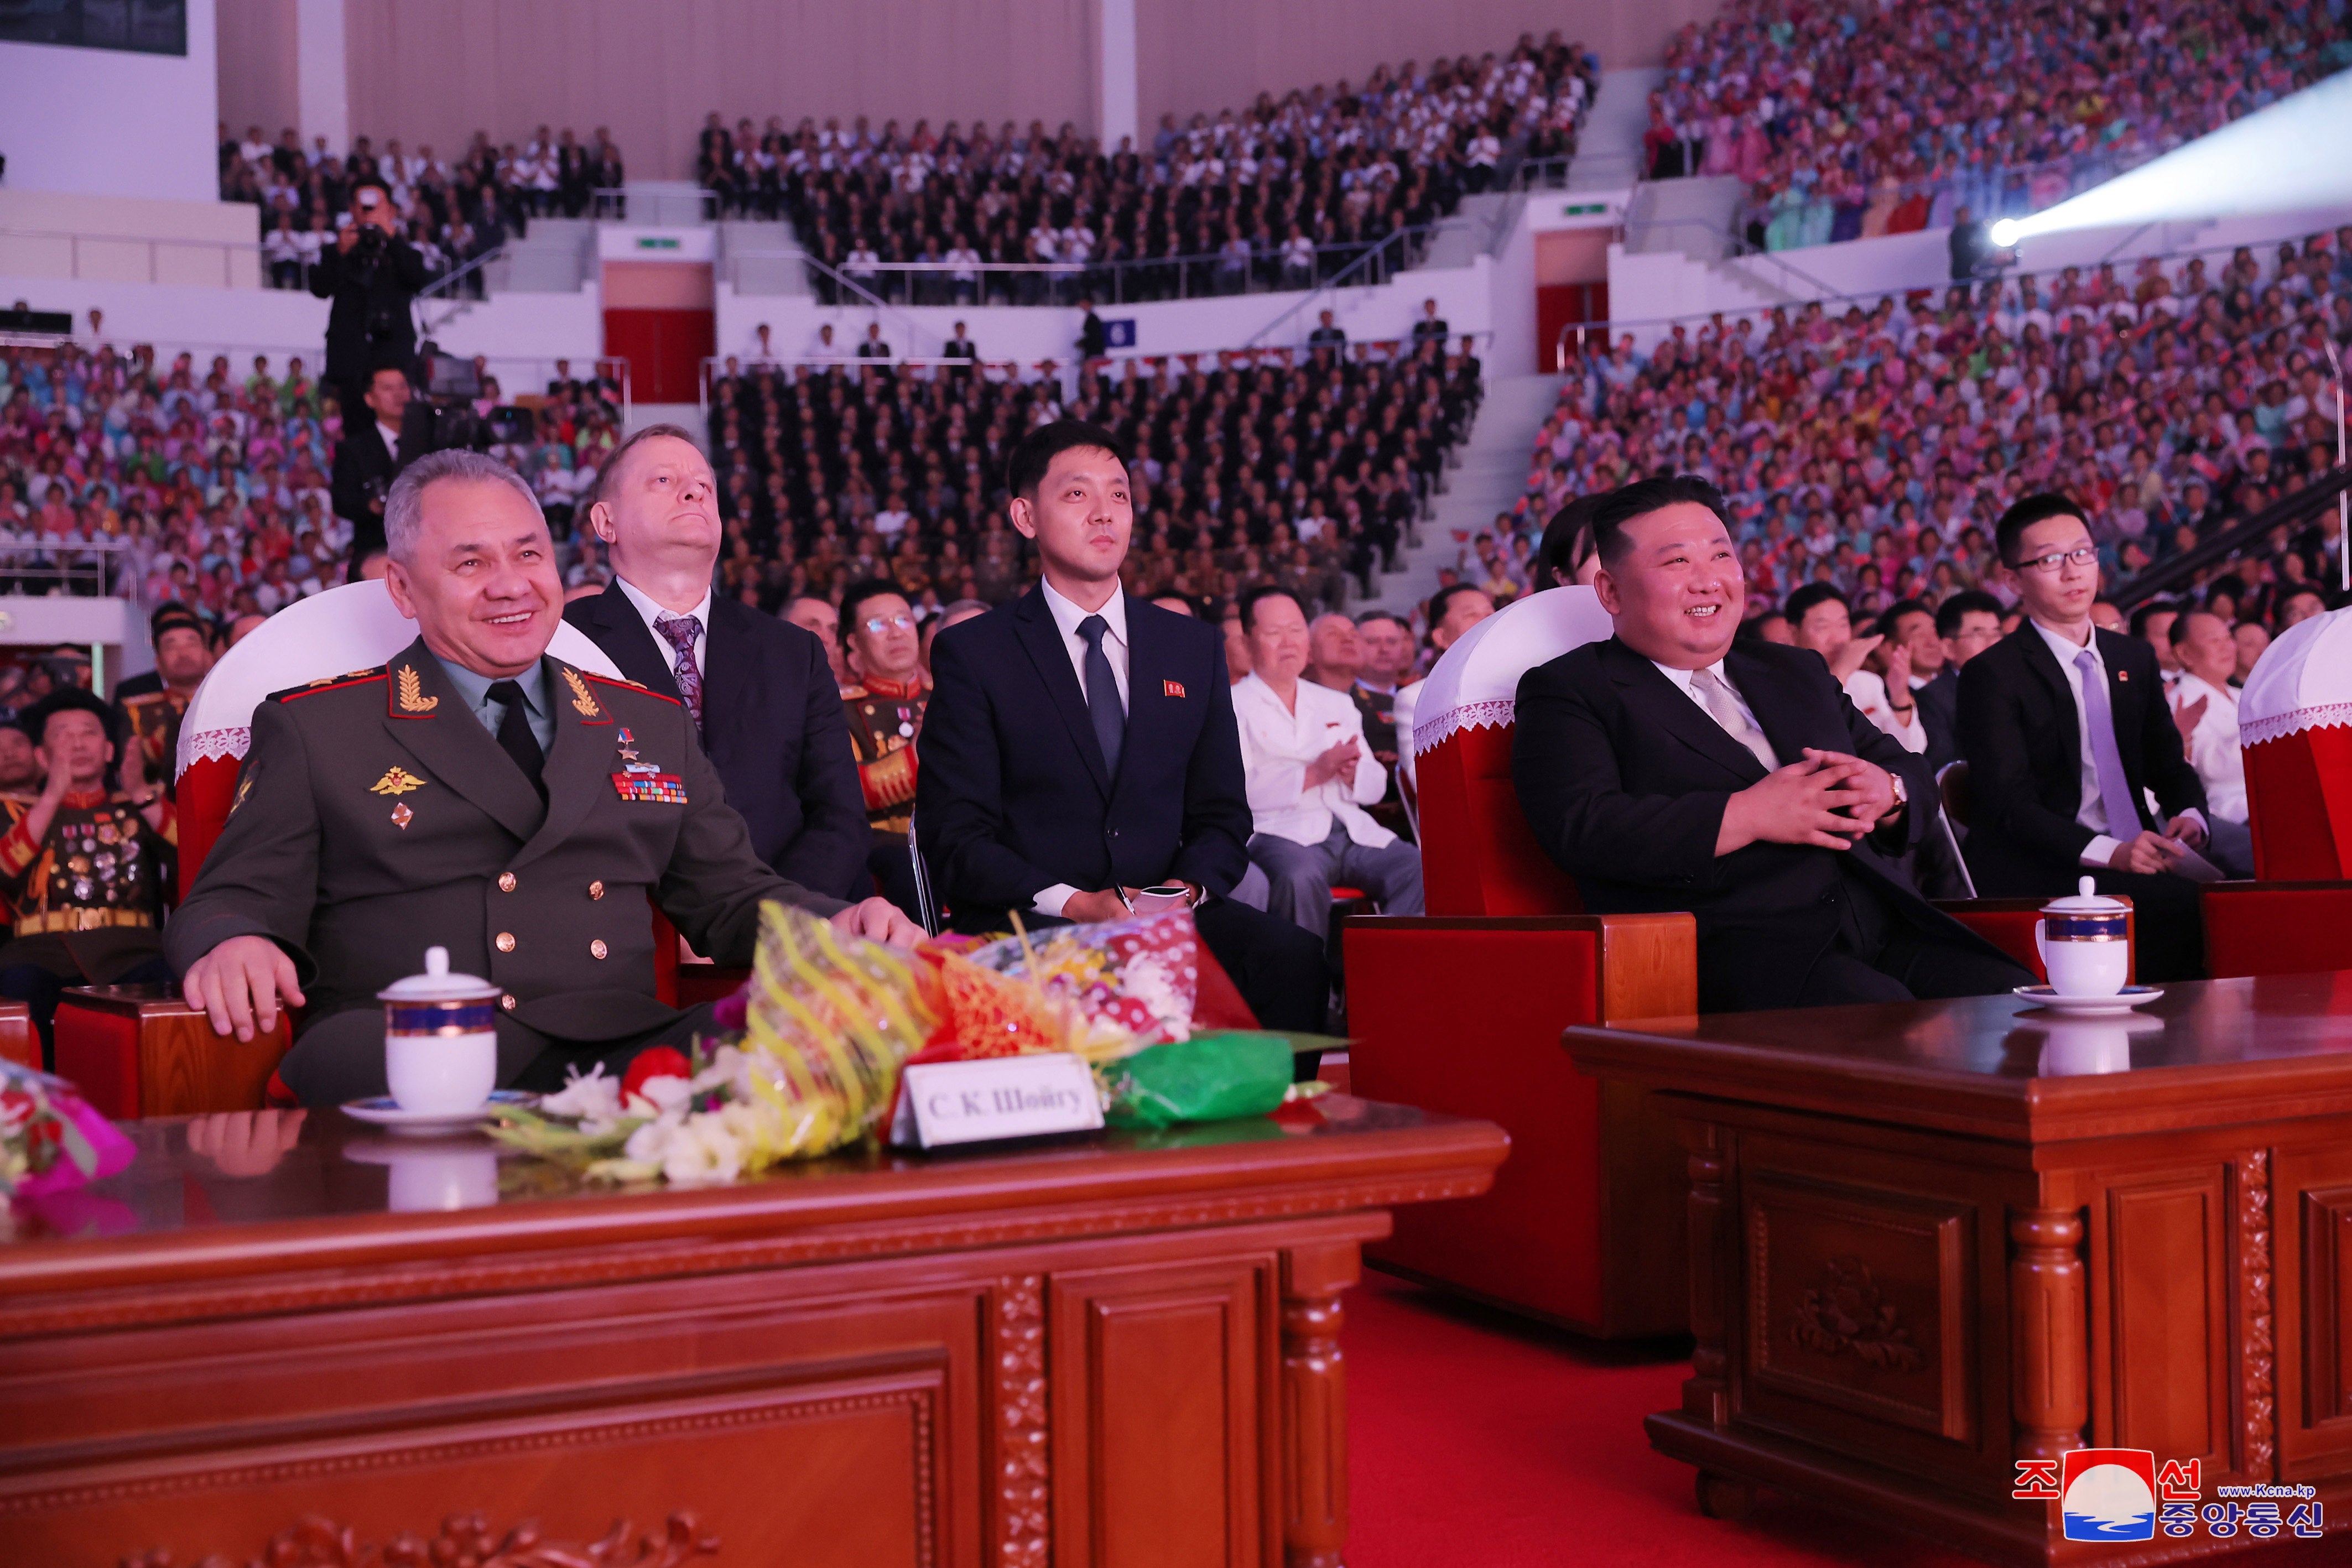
x: 1674, y: 767
x: 760, y: 691
x: 1081, y: 744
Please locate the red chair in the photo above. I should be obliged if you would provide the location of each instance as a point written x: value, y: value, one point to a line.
x: 139, y: 1050
x: 2294, y: 718
x: 1462, y: 1011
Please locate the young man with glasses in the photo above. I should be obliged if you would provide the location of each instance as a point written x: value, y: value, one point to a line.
x: 2066, y: 732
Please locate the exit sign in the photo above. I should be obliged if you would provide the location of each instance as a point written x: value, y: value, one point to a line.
x: 1584, y: 209
x: 657, y: 242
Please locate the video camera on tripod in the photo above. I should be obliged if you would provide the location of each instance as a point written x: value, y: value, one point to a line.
x: 445, y: 417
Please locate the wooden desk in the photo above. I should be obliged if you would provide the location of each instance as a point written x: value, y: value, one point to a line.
x: 1930, y: 1240
x: 1122, y: 1351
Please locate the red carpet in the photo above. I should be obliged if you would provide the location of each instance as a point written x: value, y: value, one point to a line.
x: 1482, y: 1441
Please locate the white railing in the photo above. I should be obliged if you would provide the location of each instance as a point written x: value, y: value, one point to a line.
x: 133, y: 258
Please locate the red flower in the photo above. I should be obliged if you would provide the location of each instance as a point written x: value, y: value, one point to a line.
x: 661, y: 1062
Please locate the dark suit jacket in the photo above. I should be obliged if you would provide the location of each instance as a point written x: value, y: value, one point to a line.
x: 2022, y: 738
x: 353, y: 868
x: 1624, y: 780
x: 361, y: 456
x: 368, y: 321
x: 1939, y: 703
x: 773, y: 725
x: 1013, y: 796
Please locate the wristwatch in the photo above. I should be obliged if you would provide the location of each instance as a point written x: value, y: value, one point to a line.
x: 1902, y: 795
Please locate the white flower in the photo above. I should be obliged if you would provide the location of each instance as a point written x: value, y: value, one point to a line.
x: 666, y: 1093
x: 703, y: 1150
x: 594, y: 1098
x: 649, y: 1145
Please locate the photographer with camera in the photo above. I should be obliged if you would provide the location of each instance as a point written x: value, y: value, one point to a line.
x: 371, y: 275
x: 369, y: 455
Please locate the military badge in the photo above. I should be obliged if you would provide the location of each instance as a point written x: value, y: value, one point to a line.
x: 410, y: 692
x: 643, y: 783
x: 401, y: 816
x: 582, y: 702
x: 396, y: 781
x: 244, y: 787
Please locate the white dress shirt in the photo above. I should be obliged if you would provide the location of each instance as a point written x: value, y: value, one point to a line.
x: 2213, y: 745
x: 1868, y: 693
x: 653, y: 613
x: 391, y: 436
x: 1682, y: 679
x: 2093, y: 814
x: 1066, y: 617
x: 1278, y: 742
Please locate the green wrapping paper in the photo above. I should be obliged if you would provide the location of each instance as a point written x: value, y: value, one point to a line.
x: 1208, y: 1078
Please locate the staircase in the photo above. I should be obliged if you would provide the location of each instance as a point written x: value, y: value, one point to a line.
x: 1690, y: 216
x: 751, y: 258
x: 1491, y: 473
x: 1609, y: 147
x: 552, y: 257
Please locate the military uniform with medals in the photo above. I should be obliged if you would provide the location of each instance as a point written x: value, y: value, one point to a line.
x: 154, y: 729
x: 886, y: 718
x: 376, y: 815
x: 87, y: 895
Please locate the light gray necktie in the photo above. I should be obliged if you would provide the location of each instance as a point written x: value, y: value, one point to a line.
x: 1724, y: 704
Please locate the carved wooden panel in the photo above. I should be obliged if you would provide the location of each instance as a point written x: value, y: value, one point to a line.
x: 2168, y: 1311
x: 1861, y: 1303
x: 1187, y: 1360
x: 846, y: 1478
x: 2327, y: 1305
x: 2257, y: 1335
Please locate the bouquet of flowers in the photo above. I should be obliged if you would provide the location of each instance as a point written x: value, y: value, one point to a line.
x: 808, y: 1055
x: 50, y: 1139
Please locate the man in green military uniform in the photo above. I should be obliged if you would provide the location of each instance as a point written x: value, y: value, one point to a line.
x: 152, y: 708
x: 82, y: 866
x: 886, y: 722
x: 475, y: 794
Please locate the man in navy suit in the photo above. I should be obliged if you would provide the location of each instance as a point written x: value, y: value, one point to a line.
x: 1081, y: 744
x: 1673, y: 767
x: 761, y: 691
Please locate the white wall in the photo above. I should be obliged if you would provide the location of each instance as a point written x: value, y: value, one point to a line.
x: 109, y: 122
x: 521, y: 333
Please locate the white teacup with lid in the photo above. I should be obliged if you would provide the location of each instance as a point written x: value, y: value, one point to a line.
x: 2085, y: 940
x: 440, y: 1039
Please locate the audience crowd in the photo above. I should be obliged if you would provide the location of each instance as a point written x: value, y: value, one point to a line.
x: 1851, y: 120
x: 158, y: 481
x: 1276, y: 466
x: 1874, y: 447
x: 1285, y: 194
x: 454, y: 212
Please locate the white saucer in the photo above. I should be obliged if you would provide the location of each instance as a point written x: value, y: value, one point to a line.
x: 2123, y: 1001
x: 382, y: 1112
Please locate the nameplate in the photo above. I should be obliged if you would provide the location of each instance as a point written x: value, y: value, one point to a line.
x: 946, y: 1103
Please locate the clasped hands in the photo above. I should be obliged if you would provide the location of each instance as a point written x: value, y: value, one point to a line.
x: 1827, y: 801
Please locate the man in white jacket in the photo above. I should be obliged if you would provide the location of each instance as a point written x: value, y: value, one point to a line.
x: 1309, y: 776
x: 2205, y: 706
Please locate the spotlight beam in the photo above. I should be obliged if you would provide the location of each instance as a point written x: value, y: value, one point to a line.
x: 2286, y: 157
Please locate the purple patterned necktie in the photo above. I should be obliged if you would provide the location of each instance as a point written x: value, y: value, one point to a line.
x: 2106, y: 761
x: 681, y: 631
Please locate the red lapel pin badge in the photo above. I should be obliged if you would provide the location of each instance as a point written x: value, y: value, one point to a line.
x: 1171, y: 688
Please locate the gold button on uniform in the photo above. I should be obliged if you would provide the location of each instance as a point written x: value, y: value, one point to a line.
x: 504, y: 942
x: 507, y: 1003
x: 506, y: 881
x: 595, y: 890
x: 596, y: 949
